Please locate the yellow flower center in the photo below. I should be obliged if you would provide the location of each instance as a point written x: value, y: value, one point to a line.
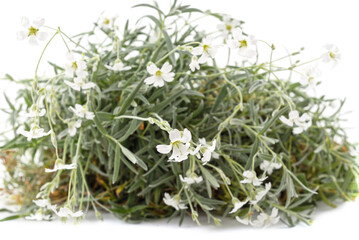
x: 332, y: 55
x: 205, y: 48
x: 32, y: 31
x: 158, y: 73
x: 74, y: 65
x: 106, y: 21
x: 229, y: 27
x: 243, y: 43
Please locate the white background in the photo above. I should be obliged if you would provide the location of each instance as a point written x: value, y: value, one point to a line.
x: 288, y: 24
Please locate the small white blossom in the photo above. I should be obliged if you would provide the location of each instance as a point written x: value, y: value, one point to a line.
x: 34, y: 132
x: 66, y: 212
x: 194, y: 63
x: 332, y: 54
x: 246, y: 47
x: 118, y: 66
x: 174, y: 202
x: 227, y: 25
x: 72, y: 127
x: 32, y: 31
x: 251, y: 177
x: 81, y: 112
x: 206, y: 50
x: 304, y: 122
x: 59, y: 165
x: 261, y: 194
x: 155, y: 35
x: 309, y: 76
x: 300, y: 124
x: 180, y: 144
x: 264, y: 220
x: 244, y: 221
x: 293, y: 117
x: 38, y: 216
x: 35, y: 111
x: 268, y: 166
x: 42, y: 203
x: 75, y: 66
x: 237, y: 205
x: 107, y: 22
x: 80, y: 84
x: 191, y: 179
x: 208, y: 150
x: 159, y: 76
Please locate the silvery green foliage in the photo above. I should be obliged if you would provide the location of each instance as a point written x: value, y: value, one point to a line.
x: 145, y: 125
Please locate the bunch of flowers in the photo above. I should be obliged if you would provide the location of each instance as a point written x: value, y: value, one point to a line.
x: 145, y: 125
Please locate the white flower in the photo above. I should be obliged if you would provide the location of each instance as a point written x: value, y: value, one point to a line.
x: 34, y: 132
x: 206, y: 49
x: 191, y: 179
x: 80, y: 84
x: 332, y: 54
x: 237, y: 205
x: 244, y: 221
x: 194, y: 63
x: 155, y: 35
x: 293, y: 117
x: 42, y: 203
x: 246, y: 46
x: 38, y: 216
x: 264, y: 220
x: 207, y: 150
x: 35, y: 111
x: 65, y: 212
x: 159, y: 76
x: 180, y: 143
x: 118, y: 66
x: 251, y: 177
x: 32, y: 32
x: 107, y: 22
x: 59, y: 165
x: 303, y: 123
x: 72, y: 127
x: 81, y: 112
x: 173, y: 202
x: 261, y: 194
x: 75, y: 66
x: 268, y: 166
x: 227, y: 25
x: 309, y: 76
x: 300, y: 124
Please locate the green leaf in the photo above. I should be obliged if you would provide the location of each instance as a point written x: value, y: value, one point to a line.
x: 116, y: 166
x: 129, y: 99
x: 150, y: 6
x: 211, y: 179
x: 273, y: 120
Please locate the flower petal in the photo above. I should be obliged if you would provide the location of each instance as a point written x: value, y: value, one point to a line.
x: 166, y: 68
x: 164, y: 149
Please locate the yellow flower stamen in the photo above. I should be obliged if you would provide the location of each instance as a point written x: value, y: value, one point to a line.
x: 106, y: 21
x: 205, y: 48
x: 74, y: 65
x: 158, y: 73
x: 32, y: 31
x: 332, y: 55
x: 243, y: 43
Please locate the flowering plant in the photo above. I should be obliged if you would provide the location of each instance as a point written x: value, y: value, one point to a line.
x: 145, y: 124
